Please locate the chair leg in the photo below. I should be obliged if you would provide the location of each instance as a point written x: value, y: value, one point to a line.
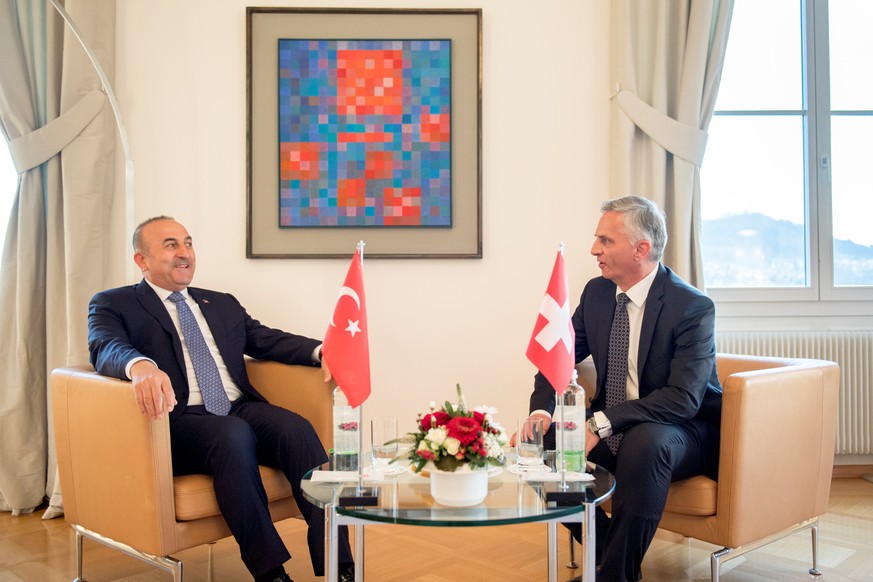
x: 725, y: 554
x: 715, y: 562
x: 79, y: 577
x: 209, y: 569
x: 572, y: 563
x: 814, y: 570
x: 168, y: 563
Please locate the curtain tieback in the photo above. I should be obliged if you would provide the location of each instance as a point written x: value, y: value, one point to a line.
x: 38, y: 146
x: 682, y: 140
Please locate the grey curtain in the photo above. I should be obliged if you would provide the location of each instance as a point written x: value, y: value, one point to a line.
x: 667, y: 62
x: 61, y: 135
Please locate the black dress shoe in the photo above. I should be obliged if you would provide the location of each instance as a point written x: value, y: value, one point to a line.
x: 638, y: 577
x: 346, y: 573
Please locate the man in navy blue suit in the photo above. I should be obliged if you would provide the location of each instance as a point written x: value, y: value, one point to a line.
x: 669, y: 410
x: 134, y: 333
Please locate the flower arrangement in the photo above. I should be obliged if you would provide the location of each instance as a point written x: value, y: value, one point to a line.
x: 453, y: 436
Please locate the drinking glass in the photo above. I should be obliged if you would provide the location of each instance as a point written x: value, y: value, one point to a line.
x: 550, y: 458
x: 529, y: 443
x: 382, y: 430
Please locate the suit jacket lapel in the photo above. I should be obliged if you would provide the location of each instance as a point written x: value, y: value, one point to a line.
x: 213, y: 319
x: 654, y: 303
x: 153, y: 305
x: 604, y: 327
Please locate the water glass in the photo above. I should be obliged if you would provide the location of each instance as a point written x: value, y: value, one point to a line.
x: 550, y: 458
x: 382, y: 430
x: 529, y: 443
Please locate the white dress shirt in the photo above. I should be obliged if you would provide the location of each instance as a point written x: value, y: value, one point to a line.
x: 637, y: 301
x: 194, y: 397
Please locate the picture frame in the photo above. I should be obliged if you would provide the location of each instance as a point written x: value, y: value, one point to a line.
x: 277, y: 205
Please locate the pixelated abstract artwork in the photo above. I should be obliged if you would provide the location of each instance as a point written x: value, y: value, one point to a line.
x: 365, y: 133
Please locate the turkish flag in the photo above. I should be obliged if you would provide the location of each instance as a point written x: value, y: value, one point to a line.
x: 551, y: 348
x: 346, y: 348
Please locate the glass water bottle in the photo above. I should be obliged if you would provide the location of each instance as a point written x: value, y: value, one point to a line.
x: 571, y: 428
x: 346, y: 427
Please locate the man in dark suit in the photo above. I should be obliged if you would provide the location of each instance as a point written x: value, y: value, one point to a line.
x: 664, y: 426
x: 144, y: 333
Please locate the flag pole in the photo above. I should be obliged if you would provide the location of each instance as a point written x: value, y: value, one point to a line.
x: 562, y: 460
x: 360, y: 488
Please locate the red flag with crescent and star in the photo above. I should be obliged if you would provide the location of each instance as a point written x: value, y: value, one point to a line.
x: 552, y: 344
x: 346, y: 347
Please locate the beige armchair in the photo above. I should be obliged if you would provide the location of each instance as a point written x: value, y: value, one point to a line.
x: 116, y: 470
x: 778, y: 433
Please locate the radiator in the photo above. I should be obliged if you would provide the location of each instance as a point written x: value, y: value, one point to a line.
x: 852, y: 350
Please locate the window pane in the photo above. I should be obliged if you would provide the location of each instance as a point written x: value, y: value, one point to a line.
x: 763, y: 67
x: 753, y: 206
x: 852, y: 192
x: 851, y: 46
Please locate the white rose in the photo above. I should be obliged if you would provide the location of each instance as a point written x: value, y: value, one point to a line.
x: 436, y: 436
x: 452, y: 445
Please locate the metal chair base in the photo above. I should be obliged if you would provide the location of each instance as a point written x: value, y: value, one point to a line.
x: 168, y: 563
x: 716, y: 559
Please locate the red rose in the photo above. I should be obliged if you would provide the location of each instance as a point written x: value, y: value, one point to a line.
x: 465, y: 429
x: 438, y: 418
x: 479, y: 417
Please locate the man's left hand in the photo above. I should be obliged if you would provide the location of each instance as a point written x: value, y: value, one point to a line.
x: 326, y: 370
x: 591, y: 440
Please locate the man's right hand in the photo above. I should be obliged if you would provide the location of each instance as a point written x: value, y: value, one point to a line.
x: 152, y: 389
x: 547, y: 422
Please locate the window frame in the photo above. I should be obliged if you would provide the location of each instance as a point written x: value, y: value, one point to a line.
x: 820, y: 297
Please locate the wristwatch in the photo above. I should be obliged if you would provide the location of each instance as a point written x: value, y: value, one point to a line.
x: 592, y: 426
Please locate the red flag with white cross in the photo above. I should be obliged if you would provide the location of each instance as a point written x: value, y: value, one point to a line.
x: 552, y: 344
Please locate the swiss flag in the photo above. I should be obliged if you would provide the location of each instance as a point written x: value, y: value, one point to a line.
x: 346, y: 348
x: 551, y: 348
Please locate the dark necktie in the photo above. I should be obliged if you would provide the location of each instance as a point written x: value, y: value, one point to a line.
x: 616, y: 366
x: 211, y: 388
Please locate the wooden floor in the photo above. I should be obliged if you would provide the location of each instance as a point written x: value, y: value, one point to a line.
x: 35, y: 550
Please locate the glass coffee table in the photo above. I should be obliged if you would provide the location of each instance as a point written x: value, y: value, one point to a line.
x: 404, y: 499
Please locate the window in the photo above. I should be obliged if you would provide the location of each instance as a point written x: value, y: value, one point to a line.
x: 787, y: 183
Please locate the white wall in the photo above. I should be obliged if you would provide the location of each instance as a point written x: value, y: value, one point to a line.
x: 180, y: 81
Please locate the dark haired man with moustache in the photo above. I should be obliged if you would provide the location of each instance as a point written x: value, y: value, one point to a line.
x: 183, y: 350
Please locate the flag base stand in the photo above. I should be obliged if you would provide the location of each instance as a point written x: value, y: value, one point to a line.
x: 358, y: 496
x: 563, y: 494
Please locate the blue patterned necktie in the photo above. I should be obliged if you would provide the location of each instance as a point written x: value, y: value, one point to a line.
x: 616, y: 366
x: 211, y: 388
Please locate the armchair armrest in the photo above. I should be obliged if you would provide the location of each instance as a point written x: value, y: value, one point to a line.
x: 777, y: 447
x: 298, y: 388
x: 113, y: 461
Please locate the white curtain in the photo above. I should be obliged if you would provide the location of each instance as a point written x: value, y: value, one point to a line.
x: 61, y: 135
x: 667, y: 58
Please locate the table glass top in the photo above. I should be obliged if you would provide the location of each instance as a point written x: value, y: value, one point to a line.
x: 405, y: 498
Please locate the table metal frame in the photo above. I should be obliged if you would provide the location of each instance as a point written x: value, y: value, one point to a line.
x: 584, y: 513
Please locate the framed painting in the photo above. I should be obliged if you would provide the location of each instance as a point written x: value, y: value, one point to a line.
x: 364, y: 124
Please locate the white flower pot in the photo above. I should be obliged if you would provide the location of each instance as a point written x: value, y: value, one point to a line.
x: 461, y: 488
